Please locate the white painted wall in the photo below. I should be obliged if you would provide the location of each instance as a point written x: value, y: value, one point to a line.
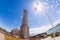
x: 2, y: 36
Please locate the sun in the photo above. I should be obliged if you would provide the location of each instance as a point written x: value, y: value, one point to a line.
x: 37, y: 7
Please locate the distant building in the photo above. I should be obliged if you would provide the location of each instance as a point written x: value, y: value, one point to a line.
x: 15, y: 32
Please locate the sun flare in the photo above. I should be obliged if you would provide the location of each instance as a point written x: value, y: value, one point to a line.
x: 37, y: 7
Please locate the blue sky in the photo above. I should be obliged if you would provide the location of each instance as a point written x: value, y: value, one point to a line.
x: 11, y: 12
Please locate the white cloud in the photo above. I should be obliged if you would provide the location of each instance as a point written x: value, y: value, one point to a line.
x: 47, y: 0
x: 38, y: 30
x: 37, y: 8
x: 59, y: 0
x: 42, y: 29
x: 15, y: 21
x: 29, y: 18
x: 57, y: 22
x: 58, y: 11
x: 48, y: 7
x: 21, y: 16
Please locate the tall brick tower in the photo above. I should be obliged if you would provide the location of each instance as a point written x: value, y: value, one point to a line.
x: 24, y: 30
